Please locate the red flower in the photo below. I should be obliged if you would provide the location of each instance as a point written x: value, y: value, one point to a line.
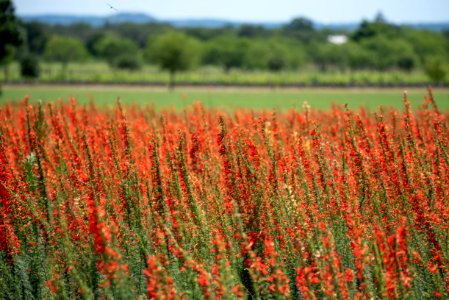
x: 202, y: 278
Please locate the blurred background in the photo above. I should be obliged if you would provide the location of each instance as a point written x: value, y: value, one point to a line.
x: 222, y: 42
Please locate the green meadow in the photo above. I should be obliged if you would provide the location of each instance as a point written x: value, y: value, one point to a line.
x: 226, y: 98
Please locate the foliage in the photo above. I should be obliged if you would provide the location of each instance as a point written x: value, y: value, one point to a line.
x: 174, y: 52
x: 10, y: 35
x: 357, y: 57
x: 328, y: 55
x: 435, y: 69
x: 427, y: 44
x: 119, y: 52
x: 138, y: 33
x: 126, y: 62
x: 252, y: 31
x: 275, y: 54
x: 387, y: 54
x: 92, y: 43
x: 36, y: 37
x: 64, y: 50
x: 29, y: 66
x: 301, y: 29
x: 226, y: 51
x: 205, y: 34
x: 127, y: 203
x: 378, y: 27
x: 373, y: 45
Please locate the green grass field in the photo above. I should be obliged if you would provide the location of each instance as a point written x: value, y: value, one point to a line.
x: 227, y: 98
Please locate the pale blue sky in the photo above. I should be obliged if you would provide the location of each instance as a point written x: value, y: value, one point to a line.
x: 251, y: 10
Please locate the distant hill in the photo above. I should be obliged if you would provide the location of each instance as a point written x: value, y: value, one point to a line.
x: 206, y: 23
x: 95, y: 21
x: 217, y: 23
x: 135, y: 18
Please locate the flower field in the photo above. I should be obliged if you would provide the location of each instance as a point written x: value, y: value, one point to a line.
x: 129, y: 203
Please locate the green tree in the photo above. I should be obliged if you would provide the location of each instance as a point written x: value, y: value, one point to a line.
x: 427, y: 44
x: 36, y: 37
x: 390, y: 54
x: 328, y: 55
x: 29, y: 66
x: 119, y: 52
x: 206, y: 34
x: 138, y: 33
x: 357, y: 57
x: 435, y: 70
x: 92, y: 42
x: 226, y: 51
x: 379, y: 27
x: 64, y: 50
x: 252, y: 31
x: 10, y: 34
x: 173, y: 52
x: 300, y: 28
x: 274, y: 54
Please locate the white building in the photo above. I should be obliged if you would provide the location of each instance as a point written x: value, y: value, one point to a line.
x: 337, y: 39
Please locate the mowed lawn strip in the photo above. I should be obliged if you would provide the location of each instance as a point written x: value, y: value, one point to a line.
x: 228, y: 98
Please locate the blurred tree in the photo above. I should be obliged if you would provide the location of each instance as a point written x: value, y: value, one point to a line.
x: 205, y: 34
x: 92, y: 41
x: 435, y: 70
x: 226, y: 51
x: 36, y: 37
x: 10, y: 34
x: 300, y: 24
x: 380, y: 18
x: 273, y: 54
x: 120, y: 53
x: 427, y: 44
x: 255, y: 54
x: 357, y: 57
x: 365, y: 30
x: 252, y: 31
x: 29, y: 66
x: 279, y: 57
x: 328, y: 55
x: 446, y: 33
x: 64, y: 50
x: 379, y: 27
x: 81, y: 31
x: 138, y: 33
x: 300, y: 28
x: 127, y: 62
x: 375, y: 44
x: 389, y: 54
x: 406, y: 60
x: 173, y: 51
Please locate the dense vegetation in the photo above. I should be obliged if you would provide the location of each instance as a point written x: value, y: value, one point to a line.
x: 375, y: 46
x: 126, y: 202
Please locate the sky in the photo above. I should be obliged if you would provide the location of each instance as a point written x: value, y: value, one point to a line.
x: 325, y: 11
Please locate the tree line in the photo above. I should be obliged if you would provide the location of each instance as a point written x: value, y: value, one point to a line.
x: 374, y: 45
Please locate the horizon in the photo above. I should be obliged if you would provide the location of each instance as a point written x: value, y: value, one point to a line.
x: 416, y: 11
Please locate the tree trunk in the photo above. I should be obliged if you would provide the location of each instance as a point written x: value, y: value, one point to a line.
x: 64, y: 71
x: 6, y: 72
x: 171, y: 81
